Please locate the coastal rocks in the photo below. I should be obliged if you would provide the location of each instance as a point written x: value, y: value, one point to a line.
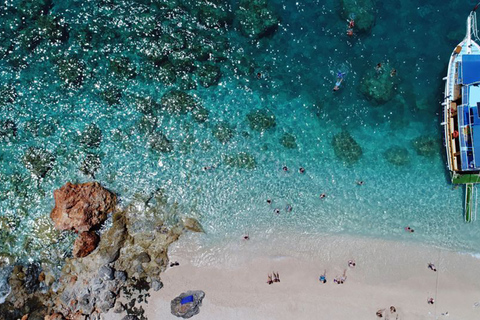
x: 397, y: 156
x: 241, y: 160
x: 426, y: 146
x: 192, y: 225
x: 39, y: 161
x: 85, y: 243
x: 363, y: 11
x: 188, y: 309
x: 208, y: 74
x: 223, y: 132
x: 261, y: 120
x: 256, y: 18
x: 289, y: 141
x: 346, y: 148
x: 177, y: 102
x: 81, y: 207
x: 378, y: 86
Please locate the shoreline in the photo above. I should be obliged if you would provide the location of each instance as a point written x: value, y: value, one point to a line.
x: 387, y: 273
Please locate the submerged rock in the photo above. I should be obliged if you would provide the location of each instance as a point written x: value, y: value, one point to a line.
x: 189, y: 309
x: 122, y: 68
x: 177, y: 102
x: 378, y: 86
x: 192, y: 225
x: 71, y: 72
x: 261, y: 120
x: 223, y: 132
x: 81, y: 207
x: 426, y: 146
x: 8, y: 94
x: 208, y: 75
x: 90, y: 164
x: 363, y: 11
x: 39, y: 161
x: 256, y: 18
x: 241, y: 160
x: 85, y: 243
x: 200, y: 114
x: 8, y: 130
x: 397, y: 155
x: 346, y: 148
x: 289, y: 141
x: 91, y: 137
x: 159, y: 142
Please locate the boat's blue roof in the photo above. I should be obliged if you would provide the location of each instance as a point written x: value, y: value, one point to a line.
x: 470, y: 138
x: 470, y: 68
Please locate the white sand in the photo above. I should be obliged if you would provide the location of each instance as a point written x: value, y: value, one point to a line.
x: 386, y: 274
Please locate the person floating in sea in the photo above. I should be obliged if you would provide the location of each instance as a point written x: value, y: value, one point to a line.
x: 269, y: 201
x: 285, y: 168
x: 277, y: 211
x: 360, y: 182
x: 432, y: 267
x: 393, y: 72
x: 350, y: 32
x: 269, y: 281
x: 408, y: 229
x: 288, y: 208
x: 340, y: 76
x: 379, y: 67
x: 259, y: 75
x: 322, y: 196
x: 301, y: 170
x: 246, y: 237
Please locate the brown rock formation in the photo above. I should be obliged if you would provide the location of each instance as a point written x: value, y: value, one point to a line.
x: 85, y: 243
x: 80, y: 207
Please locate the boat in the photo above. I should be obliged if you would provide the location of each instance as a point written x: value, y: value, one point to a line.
x: 461, y: 115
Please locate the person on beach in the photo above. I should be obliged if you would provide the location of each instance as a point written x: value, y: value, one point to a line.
x: 431, y: 266
x: 269, y: 281
x: 174, y: 264
x: 276, y: 277
x: 351, y: 263
x: 340, y: 76
x: 393, y: 309
x: 379, y: 313
x: 431, y: 301
x: 323, y: 277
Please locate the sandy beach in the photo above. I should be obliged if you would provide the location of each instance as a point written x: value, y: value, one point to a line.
x: 387, y: 273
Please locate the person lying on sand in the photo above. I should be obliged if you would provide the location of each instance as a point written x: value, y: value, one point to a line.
x: 323, y: 277
x: 276, y: 277
x: 379, y: 313
x: 269, y: 281
x: 431, y: 266
x: 174, y: 264
x: 393, y: 309
x: 431, y: 301
x: 351, y: 263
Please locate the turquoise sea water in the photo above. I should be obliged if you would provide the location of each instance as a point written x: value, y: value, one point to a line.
x: 120, y: 49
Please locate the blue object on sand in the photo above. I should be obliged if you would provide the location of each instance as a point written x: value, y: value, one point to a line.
x: 187, y: 299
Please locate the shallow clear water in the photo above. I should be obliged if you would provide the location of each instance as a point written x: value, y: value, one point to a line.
x: 298, y: 66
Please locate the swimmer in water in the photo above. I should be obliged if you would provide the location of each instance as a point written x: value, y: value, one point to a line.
x: 340, y: 76
x: 323, y: 195
x: 301, y: 170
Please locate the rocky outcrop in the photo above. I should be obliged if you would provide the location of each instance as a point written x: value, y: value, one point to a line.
x: 85, y: 243
x: 427, y: 145
x: 397, y: 156
x: 189, y: 309
x: 261, y: 120
x: 81, y: 207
